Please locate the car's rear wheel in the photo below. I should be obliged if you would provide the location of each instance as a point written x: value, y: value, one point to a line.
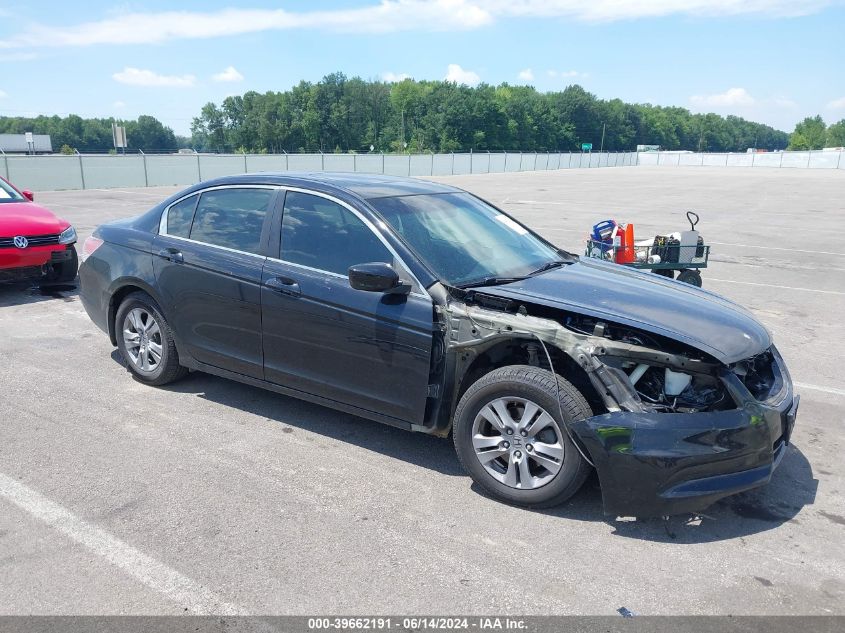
x: 511, y: 439
x: 145, y: 341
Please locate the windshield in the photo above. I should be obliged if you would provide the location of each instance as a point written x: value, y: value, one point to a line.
x: 8, y: 193
x: 464, y: 240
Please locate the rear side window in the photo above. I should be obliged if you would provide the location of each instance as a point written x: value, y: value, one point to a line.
x: 179, y: 217
x: 324, y: 235
x: 232, y: 218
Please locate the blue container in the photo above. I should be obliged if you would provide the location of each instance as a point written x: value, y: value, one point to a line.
x: 603, y: 230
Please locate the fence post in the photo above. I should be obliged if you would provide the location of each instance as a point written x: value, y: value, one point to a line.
x: 144, y: 158
x: 505, y: 169
x: 781, y: 159
x: 287, y: 160
x: 355, y: 163
x: 838, y: 161
x: 245, y: 167
x: 81, y: 169
x: 520, y: 161
x: 488, y: 161
x: 409, y: 164
x: 752, y: 157
x: 382, y: 163
x: 432, y: 162
x: 199, y: 169
x: 470, y: 161
x: 6, y: 162
x: 809, y: 156
x: 453, y: 163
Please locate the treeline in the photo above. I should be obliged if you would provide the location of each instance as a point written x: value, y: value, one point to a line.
x: 813, y: 133
x: 95, y: 135
x: 341, y: 114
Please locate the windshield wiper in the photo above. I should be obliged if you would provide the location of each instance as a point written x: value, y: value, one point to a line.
x: 490, y: 281
x: 548, y: 266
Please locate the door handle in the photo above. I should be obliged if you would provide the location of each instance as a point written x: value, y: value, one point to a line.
x: 283, y: 285
x: 172, y: 255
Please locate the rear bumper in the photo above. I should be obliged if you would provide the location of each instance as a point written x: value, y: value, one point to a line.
x: 657, y: 464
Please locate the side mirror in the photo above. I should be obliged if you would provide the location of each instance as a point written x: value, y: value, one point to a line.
x: 28, y: 195
x: 377, y: 277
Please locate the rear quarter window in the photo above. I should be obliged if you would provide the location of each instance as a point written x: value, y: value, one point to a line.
x: 180, y: 216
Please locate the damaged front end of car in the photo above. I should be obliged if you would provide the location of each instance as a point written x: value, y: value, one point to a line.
x: 674, y: 428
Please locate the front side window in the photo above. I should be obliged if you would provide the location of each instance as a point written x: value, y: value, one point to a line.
x: 464, y: 240
x: 232, y: 218
x: 180, y: 216
x: 322, y: 234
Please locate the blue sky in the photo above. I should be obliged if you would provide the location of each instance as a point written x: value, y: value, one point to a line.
x: 774, y: 61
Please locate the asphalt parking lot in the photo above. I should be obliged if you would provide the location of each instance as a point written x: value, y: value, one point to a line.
x: 213, y: 497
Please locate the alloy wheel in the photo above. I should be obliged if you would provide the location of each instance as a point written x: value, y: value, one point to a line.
x: 518, y: 443
x: 142, y: 338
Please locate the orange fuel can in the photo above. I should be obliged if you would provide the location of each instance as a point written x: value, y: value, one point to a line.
x: 625, y: 253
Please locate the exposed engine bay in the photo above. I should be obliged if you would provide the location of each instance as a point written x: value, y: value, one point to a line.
x: 630, y: 369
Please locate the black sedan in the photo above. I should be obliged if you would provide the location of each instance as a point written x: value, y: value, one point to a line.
x: 422, y: 306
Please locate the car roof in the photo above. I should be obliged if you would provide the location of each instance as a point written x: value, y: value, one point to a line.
x: 366, y: 186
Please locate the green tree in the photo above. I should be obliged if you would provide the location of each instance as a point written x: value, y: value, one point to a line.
x: 809, y: 134
x: 836, y: 134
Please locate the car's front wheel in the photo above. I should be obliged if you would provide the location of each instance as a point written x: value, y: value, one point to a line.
x: 511, y: 439
x: 146, y: 342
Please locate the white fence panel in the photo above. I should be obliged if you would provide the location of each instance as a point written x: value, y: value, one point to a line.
x: 104, y: 172
x: 217, y: 166
x: 173, y: 170
x: 462, y: 164
x: 497, y: 163
x: 340, y: 162
x: 422, y: 164
x: 824, y: 160
x: 767, y: 159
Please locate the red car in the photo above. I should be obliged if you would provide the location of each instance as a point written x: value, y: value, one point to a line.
x: 34, y: 243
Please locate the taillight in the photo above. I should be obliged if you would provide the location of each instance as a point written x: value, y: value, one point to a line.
x: 90, y: 245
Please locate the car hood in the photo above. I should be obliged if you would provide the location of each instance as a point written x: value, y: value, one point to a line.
x: 647, y: 301
x: 28, y: 218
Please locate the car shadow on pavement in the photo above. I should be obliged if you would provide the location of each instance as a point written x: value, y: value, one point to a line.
x: 792, y: 486
x: 21, y: 293
x: 421, y: 450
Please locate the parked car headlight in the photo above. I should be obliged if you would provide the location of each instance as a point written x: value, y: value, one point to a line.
x: 68, y: 236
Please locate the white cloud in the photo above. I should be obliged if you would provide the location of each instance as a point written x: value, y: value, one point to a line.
x: 118, y: 105
x: 139, y: 77
x: 565, y: 74
x: 228, y: 75
x: 837, y: 104
x: 730, y: 98
x: 392, y: 78
x: 382, y: 16
x: 458, y: 75
x: 526, y: 75
x: 18, y: 57
x: 609, y: 10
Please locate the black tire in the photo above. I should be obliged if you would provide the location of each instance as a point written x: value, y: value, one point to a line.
x: 64, y: 273
x: 167, y: 369
x: 664, y: 272
x: 537, y: 386
x: 691, y: 277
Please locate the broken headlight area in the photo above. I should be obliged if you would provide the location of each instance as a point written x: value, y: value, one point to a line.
x: 762, y: 374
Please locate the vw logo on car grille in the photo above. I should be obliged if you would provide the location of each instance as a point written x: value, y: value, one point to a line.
x: 21, y: 242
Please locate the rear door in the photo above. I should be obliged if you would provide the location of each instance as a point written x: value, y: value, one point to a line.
x: 210, y: 253
x: 366, y: 349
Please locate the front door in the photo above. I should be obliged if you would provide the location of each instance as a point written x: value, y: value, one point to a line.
x: 366, y: 349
